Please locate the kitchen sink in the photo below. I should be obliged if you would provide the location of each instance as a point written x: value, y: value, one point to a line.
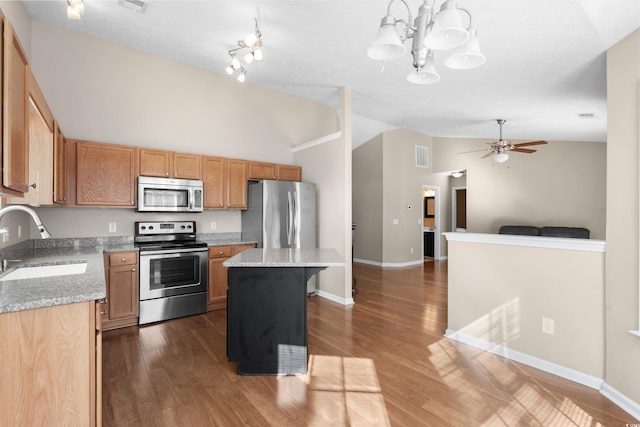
x: 34, y: 272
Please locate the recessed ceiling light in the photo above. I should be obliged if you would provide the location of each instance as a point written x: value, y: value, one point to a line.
x: 137, y: 5
x: 587, y: 115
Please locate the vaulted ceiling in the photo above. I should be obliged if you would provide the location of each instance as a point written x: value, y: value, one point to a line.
x: 545, y: 67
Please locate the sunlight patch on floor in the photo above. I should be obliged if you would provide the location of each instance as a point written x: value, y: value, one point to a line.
x: 527, y: 405
x: 339, y: 391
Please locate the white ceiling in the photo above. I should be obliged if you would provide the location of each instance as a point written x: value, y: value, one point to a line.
x: 545, y: 58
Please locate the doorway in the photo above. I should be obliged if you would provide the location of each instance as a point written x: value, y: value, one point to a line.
x: 459, y: 209
x: 430, y: 222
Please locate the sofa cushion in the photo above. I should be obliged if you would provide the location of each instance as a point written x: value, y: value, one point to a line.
x: 571, y: 232
x: 521, y: 230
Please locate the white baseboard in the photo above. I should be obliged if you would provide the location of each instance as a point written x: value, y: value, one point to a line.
x: 334, y: 298
x: 389, y: 264
x: 626, y: 404
x: 559, y: 370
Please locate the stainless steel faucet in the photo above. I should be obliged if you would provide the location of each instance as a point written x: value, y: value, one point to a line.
x: 41, y: 228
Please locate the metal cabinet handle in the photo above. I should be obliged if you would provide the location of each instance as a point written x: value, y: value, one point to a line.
x: 133, y: 269
x: 123, y: 259
x: 34, y: 185
x: 104, y: 312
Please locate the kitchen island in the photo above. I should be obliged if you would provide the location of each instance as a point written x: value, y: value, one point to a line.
x: 267, y: 308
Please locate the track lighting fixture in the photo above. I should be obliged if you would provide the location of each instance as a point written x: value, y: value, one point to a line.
x: 75, y: 9
x: 431, y: 31
x: 250, y: 49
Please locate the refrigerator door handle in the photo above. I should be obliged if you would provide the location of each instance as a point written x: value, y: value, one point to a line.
x: 289, y: 218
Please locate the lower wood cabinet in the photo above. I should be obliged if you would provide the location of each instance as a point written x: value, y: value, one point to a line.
x: 218, y: 273
x: 121, y: 307
x: 51, y: 366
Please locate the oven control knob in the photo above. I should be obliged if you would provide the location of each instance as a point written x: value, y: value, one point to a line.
x: 144, y: 227
x: 151, y: 227
x: 182, y: 227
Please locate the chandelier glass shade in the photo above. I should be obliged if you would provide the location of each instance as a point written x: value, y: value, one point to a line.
x: 501, y: 157
x: 448, y: 29
x: 75, y: 9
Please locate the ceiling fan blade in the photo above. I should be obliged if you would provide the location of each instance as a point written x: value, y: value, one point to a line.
x: 525, y: 144
x: 523, y: 150
x: 473, y: 151
x: 487, y: 155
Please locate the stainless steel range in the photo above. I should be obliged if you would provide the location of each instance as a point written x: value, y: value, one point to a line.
x: 173, y: 270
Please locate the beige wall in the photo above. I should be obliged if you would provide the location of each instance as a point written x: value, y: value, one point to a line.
x: 562, y: 184
x: 109, y: 93
x: 386, y: 182
x: 623, y: 97
x: 367, y: 200
x: 503, y: 303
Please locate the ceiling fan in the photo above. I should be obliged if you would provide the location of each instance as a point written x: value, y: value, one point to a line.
x: 499, y: 148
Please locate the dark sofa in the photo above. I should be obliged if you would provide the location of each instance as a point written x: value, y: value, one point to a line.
x: 527, y: 230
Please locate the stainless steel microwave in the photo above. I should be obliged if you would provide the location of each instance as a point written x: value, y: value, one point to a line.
x: 169, y: 195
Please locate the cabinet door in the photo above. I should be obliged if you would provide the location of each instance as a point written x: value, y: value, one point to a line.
x: 155, y: 163
x: 105, y: 174
x: 59, y: 167
x: 186, y: 166
x: 217, y: 281
x: 261, y: 170
x: 15, y: 148
x: 236, y: 184
x: 123, y: 292
x: 289, y: 173
x: 213, y: 176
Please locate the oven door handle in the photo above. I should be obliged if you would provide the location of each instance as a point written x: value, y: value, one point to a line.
x: 173, y: 251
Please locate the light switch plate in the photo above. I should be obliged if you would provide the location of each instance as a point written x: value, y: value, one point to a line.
x: 112, y: 227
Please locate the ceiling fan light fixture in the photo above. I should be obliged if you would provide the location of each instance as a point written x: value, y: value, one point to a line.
x: 388, y: 44
x: 468, y: 55
x: 501, y: 157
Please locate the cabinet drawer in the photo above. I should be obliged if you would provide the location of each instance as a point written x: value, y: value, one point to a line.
x: 220, y: 251
x: 123, y: 258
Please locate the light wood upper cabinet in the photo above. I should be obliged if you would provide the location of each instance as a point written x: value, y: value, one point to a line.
x: 15, y: 147
x: 105, y: 174
x: 225, y: 183
x: 289, y: 173
x: 59, y: 167
x: 261, y: 170
x: 169, y: 164
x: 41, y: 149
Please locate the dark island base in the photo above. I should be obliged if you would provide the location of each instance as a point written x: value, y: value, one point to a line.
x: 267, y: 319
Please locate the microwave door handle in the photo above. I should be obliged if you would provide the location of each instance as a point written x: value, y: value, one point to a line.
x: 191, y: 196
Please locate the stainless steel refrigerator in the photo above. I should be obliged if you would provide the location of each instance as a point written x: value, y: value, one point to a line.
x: 281, y: 214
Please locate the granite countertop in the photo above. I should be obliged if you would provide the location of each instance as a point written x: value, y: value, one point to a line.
x: 25, y: 294
x: 262, y: 257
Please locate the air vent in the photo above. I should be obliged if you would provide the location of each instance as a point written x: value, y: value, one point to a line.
x: 422, y: 157
x: 137, y: 5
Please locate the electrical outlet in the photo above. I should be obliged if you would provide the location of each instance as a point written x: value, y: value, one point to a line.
x: 19, y: 231
x: 213, y: 225
x: 395, y: 221
x: 5, y: 235
x: 548, y: 326
x: 112, y: 227
x: 411, y: 250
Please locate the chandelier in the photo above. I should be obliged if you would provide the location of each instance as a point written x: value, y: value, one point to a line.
x: 248, y: 49
x: 430, y: 31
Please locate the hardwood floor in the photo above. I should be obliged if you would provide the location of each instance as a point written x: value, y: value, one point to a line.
x: 381, y: 362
